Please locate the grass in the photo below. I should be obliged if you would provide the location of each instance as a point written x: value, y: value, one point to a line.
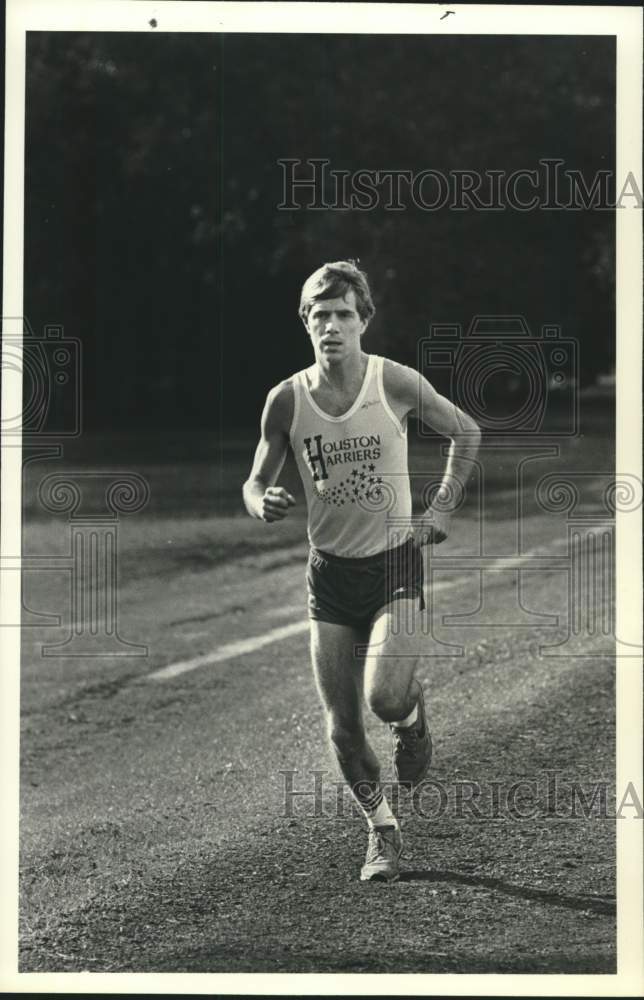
x: 195, y: 517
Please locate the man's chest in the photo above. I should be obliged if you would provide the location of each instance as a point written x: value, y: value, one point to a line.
x: 337, y: 404
x: 334, y: 404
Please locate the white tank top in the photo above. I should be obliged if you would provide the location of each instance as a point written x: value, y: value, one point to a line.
x: 353, y: 469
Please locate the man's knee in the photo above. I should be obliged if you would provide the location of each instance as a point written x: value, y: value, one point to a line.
x: 388, y: 700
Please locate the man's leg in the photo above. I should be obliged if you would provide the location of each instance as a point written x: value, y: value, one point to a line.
x: 339, y: 678
x: 391, y: 690
x: 338, y: 675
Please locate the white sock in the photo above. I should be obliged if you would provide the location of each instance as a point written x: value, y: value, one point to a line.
x: 370, y: 798
x: 409, y: 720
x: 382, y: 816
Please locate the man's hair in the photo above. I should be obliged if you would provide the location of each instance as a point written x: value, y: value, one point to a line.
x: 333, y: 281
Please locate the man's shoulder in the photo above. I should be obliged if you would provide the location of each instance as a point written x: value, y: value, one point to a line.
x: 283, y: 390
x: 280, y: 403
x: 398, y: 380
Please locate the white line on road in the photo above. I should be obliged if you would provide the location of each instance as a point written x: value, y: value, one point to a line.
x: 228, y: 651
x: 233, y: 649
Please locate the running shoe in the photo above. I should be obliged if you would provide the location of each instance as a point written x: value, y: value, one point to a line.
x: 383, y: 855
x: 412, y: 747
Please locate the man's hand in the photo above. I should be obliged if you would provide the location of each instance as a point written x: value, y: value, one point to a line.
x: 433, y: 528
x: 276, y: 503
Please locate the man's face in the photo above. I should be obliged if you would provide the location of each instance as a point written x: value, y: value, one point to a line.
x: 335, y: 328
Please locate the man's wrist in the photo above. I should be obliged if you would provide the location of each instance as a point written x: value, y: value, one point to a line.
x: 253, y: 494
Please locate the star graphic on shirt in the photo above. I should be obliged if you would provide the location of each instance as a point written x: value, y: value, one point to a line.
x: 372, y: 468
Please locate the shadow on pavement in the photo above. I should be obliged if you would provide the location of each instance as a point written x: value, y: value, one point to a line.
x: 580, y: 902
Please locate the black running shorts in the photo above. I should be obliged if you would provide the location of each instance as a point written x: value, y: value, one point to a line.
x: 351, y: 591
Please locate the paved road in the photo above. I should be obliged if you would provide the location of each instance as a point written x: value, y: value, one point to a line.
x: 157, y: 832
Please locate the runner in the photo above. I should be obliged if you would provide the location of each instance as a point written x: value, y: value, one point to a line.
x: 345, y: 419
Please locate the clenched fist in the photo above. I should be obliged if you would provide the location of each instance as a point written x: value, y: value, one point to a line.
x: 276, y: 503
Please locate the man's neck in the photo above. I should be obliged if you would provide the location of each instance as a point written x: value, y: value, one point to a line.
x: 345, y: 374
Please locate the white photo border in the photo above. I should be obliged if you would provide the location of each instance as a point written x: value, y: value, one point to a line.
x: 625, y: 23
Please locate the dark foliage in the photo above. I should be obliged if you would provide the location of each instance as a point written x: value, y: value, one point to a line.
x: 152, y: 228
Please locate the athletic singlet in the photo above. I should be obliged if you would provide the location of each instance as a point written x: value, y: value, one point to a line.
x: 353, y: 469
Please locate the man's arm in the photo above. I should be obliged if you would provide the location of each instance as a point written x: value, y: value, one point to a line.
x: 262, y: 498
x: 415, y: 394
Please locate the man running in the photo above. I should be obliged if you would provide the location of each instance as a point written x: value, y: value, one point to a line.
x: 345, y: 419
